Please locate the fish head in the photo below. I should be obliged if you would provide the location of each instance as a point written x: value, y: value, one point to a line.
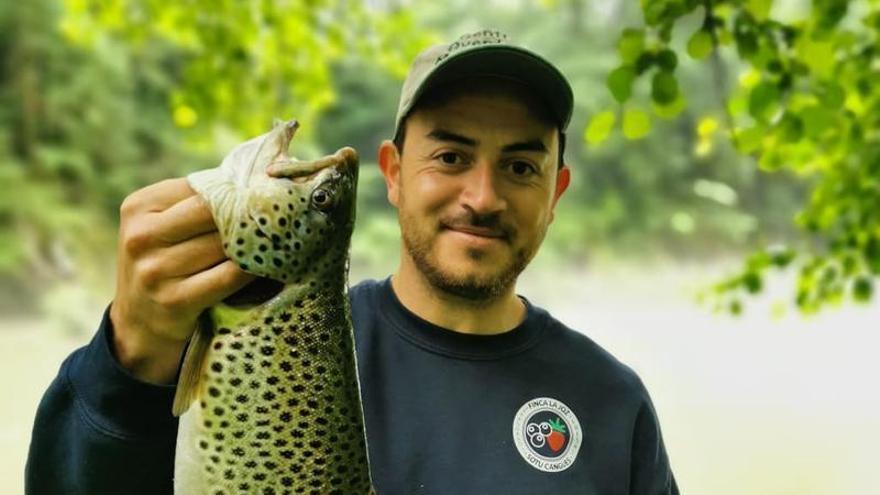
x: 285, y: 220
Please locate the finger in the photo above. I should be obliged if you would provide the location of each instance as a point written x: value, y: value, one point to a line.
x: 192, y: 255
x: 161, y: 195
x: 187, y: 219
x: 208, y: 287
x: 295, y: 168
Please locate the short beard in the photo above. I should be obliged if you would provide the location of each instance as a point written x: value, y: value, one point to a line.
x: 468, y: 287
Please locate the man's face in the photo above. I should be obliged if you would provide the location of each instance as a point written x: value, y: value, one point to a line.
x: 475, y: 190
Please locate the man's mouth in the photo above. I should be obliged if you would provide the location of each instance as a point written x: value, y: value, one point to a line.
x: 491, y: 233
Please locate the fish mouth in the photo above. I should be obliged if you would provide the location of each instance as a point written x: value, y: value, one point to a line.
x: 255, y: 293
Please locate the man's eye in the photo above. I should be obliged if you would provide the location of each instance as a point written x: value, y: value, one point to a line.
x: 450, y: 158
x: 522, y: 168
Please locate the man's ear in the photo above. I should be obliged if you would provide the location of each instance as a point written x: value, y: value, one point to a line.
x: 389, y: 164
x: 563, y: 179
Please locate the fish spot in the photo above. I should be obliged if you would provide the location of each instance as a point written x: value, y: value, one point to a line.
x: 258, y: 259
x: 282, y: 222
x: 216, y: 366
x: 262, y: 220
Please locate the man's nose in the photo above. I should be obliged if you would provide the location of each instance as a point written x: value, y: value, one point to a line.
x: 481, y: 192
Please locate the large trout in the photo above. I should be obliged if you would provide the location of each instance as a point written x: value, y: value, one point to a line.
x: 268, y: 390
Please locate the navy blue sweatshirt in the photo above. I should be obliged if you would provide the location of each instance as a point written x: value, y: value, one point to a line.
x: 538, y: 409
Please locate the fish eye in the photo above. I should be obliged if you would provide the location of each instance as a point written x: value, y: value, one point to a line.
x: 322, y: 198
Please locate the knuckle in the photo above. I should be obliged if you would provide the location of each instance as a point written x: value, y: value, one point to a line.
x: 172, y: 301
x: 149, y: 272
x: 135, y: 240
x: 130, y: 205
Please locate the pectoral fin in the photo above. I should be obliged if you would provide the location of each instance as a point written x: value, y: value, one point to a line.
x: 191, y: 370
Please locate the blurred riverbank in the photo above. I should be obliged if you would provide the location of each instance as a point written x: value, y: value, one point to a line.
x: 751, y: 405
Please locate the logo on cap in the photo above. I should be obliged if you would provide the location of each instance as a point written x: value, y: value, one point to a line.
x: 484, y: 37
x: 547, y: 434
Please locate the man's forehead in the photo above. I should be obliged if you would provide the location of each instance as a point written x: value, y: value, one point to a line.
x: 477, y: 117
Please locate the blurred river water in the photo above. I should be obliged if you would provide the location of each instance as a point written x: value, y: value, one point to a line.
x: 757, y: 405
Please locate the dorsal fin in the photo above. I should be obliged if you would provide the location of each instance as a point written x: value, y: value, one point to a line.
x: 191, y: 370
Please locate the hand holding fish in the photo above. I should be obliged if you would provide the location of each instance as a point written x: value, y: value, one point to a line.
x: 170, y: 267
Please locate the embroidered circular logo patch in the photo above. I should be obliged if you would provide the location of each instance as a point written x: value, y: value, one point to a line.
x: 547, y: 434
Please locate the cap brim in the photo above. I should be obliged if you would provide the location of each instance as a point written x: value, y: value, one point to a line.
x: 511, y: 63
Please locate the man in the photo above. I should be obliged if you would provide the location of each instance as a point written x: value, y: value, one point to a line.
x: 467, y: 387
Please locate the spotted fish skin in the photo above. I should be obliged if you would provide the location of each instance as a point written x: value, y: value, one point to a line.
x: 274, y: 403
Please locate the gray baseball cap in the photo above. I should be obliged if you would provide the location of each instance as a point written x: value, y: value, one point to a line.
x: 486, y: 53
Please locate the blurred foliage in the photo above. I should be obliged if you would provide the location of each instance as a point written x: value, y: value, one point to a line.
x: 99, y: 98
x: 805, y: 103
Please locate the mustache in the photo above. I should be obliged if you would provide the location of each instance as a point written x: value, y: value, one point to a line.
x: 488, y: 224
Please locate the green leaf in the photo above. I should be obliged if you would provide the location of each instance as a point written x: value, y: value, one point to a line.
x: 764, y: 101
x: 817, y: 55
x: 636, y: 124
x: 620, y: 82
x: 832, y: 96
x: 667, y: 60
x: 669, y: 110
x: 599, y: 127
x: 735, y: 307
x: 781, y: 257
x: 749, y: 140
x: 760, y: 9
x: 645, y: 61
x: 863, y: 288
x: 791, y: 128
x: 631, y: 45
x: 752, y: 282
x: 664, y: 88
x: 817, y: 119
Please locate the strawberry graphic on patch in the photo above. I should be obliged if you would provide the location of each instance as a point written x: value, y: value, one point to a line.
x: 556, y: 438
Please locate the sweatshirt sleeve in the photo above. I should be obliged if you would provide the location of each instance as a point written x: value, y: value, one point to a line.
x: 651, y: 472
x: 99, y: 430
